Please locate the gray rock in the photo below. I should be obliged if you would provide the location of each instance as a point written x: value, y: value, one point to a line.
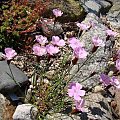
x: 92, y: 7
x: 6, y: 80
x: 97, y: 63
x: 25, y: 112
x: 96, y: 6
x: 105, y: 5
x: 113, y: 16
x: 96, y: 108
x: 51, y: 28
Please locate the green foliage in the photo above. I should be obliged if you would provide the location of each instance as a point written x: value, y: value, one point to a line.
x: 18, y: 18
x: 51, y: 95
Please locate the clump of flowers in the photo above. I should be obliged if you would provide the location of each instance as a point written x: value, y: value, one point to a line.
x: 51, y: 48
x: 106, y: 80
x: 79, y: 51
x: 75, y: 91
x: 45, y: 47
x: 49, y: 90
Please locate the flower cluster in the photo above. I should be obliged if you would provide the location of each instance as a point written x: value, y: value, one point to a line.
x: 97, y: 42
x: 52, y: 46
x: 75, y: 91
x: 106, y: 80
x: 95, y: 39
x: 78, y: 48
x: 43, y: 46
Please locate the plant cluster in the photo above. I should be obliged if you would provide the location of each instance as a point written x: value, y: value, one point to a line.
x: 18, y: 17
x: 51, y: 84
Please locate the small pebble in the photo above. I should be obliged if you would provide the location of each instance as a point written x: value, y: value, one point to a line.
x: 31, y: 87
x: 110, y: 63
x: 50, y: 74
x: 110, y: 73
x: 46, y: 81
x: 98, y: 89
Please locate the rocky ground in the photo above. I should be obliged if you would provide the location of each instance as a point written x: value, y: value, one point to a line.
x: 98, y: 106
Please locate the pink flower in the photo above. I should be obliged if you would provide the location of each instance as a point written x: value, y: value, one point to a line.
x: 111, y: 33
x: 57, y: 41
x: 52, y: 49
x: 74, y: 43
x: 61, y: 43
x: 97, y: 41
x: 80, y: 53
x: 41, y: 39
x: 105, y: 79
x: 39, y: 50
x: 9, y: 53
x: 83, y: 26
x: 115, y: 82
x: 75, y: 91
x: 80, y: 104
x: 57, y: 12
x: 118, y: 64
